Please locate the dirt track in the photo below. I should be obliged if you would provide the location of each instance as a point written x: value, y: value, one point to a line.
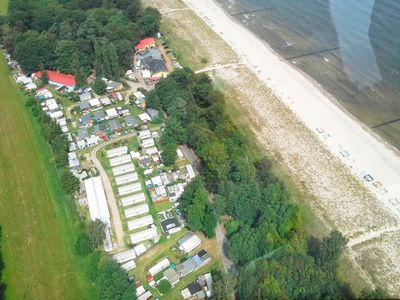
x: 111, y: 201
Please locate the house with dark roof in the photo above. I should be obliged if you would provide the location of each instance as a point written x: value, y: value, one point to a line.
x: 85, y: 120
x: 186, y: 267
x: 115, y: 125
x: 99, y: 116
x: 204, y: 256
x: 83, y: 133
x: 172, y: 276
x: 193, y: 290
x: 84, y: 106
x: 153, y: 113
x: 85, y: 96
x: 130, y: 121
x: 152, y: 52
x: 156, y: 67
x: 170, y: 225
x: 114, y: 86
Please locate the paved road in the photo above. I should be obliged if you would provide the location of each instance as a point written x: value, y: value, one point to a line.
x: 111, y: 201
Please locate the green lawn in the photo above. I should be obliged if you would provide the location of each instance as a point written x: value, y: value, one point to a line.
x: 3, y: 7
x: 38, y: 220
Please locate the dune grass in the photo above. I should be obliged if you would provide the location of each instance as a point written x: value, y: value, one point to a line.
x: 37, y: 218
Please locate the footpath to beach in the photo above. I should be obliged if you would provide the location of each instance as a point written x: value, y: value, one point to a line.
x: 351, y: 177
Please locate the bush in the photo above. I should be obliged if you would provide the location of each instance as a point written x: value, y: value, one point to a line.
x: 69, y: 182
x: 164, y: 286
x: 82, y: 245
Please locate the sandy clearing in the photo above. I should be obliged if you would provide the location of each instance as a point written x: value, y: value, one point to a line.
x: 380, y: 258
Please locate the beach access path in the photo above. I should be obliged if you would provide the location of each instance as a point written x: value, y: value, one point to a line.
x: 111, y: 201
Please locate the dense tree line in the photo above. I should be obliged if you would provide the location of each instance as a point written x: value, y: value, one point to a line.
x: 58, y: 143
x: 266, y: 240
x: 110, y: 280
x: 77, y: 36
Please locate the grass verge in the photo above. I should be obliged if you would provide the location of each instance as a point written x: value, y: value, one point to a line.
x: 38, y: 219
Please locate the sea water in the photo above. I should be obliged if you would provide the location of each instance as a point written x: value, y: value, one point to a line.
x: 350, y: 47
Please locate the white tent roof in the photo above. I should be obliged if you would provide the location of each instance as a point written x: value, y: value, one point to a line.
x: 144, y: 134
x: 144, y: 117
x: 56, y: 115
x: 112, y: 113
x: 124, y: 256
x: 140, y: 222
x: 148, y: 143
x: 140, y: 249
x: 136, y: 210
x: 97, y: 202
x: 156, y: 180
x: 119, y: 160
x: 123, y: 169
x: 158, y: 267
x: 190, y: 170
x: 147, y: 234
x: 94, y: 102
x: 133, y: 199
x: 117, y: 151
x: 130, y: 265
x: 130, y: 188
x: 189, y: 242
x: 130, y: 177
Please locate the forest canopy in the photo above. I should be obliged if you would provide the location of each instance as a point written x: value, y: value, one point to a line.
x: 75, y: 36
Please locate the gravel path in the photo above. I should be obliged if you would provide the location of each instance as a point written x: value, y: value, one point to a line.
x: 111, y: 201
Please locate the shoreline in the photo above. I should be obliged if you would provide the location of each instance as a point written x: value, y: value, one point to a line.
x: 360, y: 150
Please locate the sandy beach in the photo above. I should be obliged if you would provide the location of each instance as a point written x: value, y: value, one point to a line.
x: 373, y: 162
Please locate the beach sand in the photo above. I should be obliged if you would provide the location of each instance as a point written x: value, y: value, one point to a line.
x: 325, y: 150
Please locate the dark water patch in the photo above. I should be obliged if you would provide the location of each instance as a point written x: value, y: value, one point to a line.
x: 351, y: 48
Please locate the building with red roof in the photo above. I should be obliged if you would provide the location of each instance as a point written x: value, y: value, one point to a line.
x: 145, y: 44
x: 59, y: 79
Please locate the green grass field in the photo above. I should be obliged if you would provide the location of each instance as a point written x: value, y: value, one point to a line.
x: 37, y: 218
x: 3, y: 7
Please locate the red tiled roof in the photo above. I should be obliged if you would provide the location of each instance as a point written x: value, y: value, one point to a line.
x: 64, y: 79
x: 145, y: 43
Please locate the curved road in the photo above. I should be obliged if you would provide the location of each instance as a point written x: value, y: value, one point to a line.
x: 111, y: 201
